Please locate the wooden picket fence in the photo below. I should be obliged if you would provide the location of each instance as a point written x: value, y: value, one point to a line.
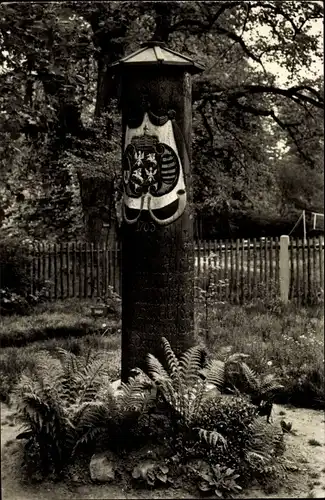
x: 75, y: 270
x: 243, y: 270
x: 235, y: 271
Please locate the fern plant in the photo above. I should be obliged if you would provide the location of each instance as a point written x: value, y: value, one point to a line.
x: 263, y: 453
x: 185, y: 390
x: 261, y: 390
x: 115, y: 420
x: 65, y: 404
x: 46, y: 423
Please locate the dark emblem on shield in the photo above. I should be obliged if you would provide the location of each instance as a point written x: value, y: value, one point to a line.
x: 153, y: 177
x: 149, y: 166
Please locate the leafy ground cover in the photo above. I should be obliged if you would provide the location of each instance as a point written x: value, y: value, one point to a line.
x: 304, y: 476
x: 177, y: 425
x: 286, y: 341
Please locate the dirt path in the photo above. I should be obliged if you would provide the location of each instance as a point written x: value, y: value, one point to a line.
x: 307, y: 424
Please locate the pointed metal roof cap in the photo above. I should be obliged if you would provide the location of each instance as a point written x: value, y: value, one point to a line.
x: 157, y: 53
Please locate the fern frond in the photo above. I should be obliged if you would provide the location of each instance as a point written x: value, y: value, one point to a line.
x: 270, y: 384
x: 137, y: 394
x: 259, y: 456
x: 162, y: 379
x: 105, y: 393
x: 88, y: 438
x: 250, y: 377
x: 156, y: 369
x: 215, y: 373
x: 237, y: 357
x: 90, y: 378
x: 171, y: 359
x: 190, y: 365
x: 92, y: 415
x: 265, y: 438
x: 70, y: 361
x: 171, y: 395
x: 197, y: 397
x: 211, y: 437
x: 43, y: 414
x: 47, y: 371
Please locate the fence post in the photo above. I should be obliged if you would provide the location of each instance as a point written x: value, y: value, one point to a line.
x: 284, y: 269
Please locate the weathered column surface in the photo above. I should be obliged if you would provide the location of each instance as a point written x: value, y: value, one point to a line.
x: 157, y: 241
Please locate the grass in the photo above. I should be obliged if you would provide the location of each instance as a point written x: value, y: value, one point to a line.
x: 52, y: 320
x: 66, y: 324
x: 289, y: 343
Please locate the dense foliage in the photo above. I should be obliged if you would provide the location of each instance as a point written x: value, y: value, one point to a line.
x: 16, y: 282
x: 194, y: 430
x: 60, y: 124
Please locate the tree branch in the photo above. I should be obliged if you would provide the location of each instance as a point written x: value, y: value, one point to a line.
x: 204, y: 26
x: 249, y: 8
x: 292, y: 93
x: 285, y: 126
x: 238, y: 39
x: 277, y: 9
x: 206, y: 122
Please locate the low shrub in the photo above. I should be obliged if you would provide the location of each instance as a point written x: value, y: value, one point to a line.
x: 13, y: 303
x: 16, y: 281
x: 304, y: 385
x: 231, y: 416
x: 14, y: 266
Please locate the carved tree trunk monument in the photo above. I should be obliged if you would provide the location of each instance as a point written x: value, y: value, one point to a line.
x: 157, y: 233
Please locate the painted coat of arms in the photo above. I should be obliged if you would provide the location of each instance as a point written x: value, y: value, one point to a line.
x: 152, y: 174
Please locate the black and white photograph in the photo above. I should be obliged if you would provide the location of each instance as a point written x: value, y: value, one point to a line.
x: 162, y: 250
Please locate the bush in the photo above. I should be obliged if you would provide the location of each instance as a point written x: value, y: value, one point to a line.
x: 231, y: 416
x: 16, y: 283
x: 254, y: 447
x: 14, y: 266
x: 13, y: 303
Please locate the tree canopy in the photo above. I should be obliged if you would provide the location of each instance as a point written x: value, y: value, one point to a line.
x: 60, y: 125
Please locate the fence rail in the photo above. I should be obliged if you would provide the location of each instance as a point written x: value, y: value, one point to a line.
x: 234, y: 271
